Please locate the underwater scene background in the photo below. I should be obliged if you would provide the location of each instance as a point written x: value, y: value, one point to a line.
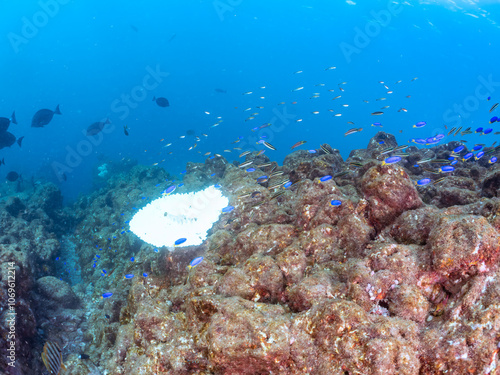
x: 249, y: 187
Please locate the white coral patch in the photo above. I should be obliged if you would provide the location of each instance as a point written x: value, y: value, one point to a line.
x: 169, y: 218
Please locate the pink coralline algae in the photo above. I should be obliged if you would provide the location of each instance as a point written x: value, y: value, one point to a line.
x: 397, y: 279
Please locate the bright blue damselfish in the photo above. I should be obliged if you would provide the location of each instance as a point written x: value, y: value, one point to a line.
x: 180, y: 241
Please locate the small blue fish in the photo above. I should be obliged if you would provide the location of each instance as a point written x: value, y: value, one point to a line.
x: 391, y: 160
x: 487, y: 131
x: 132, y: 259
x: 479, y: 130
x: 493, y: 119
x: 335, y: 203
x: 145, y: 274
x: 287, y: 184
x: 107, y: 295
x: 477, y: 148
x: 377, y: 124
x: 446, y: 169
x: 325, y: 178
x: 128, y: 276
x: 467, y: 156
x: 312, y: 151
x: 420, y: 124
x: 432, y: 140
x: 458, y: 149
x: 227, y: 209
x: 492, y: 160
x: 479, y: 155
x: 180, y: 241
x: 169, y: 190
x: 381, y: 142
x: 420, y: 141
x: 250, y: 170
x: 423, y: 181
x: 195, y: 262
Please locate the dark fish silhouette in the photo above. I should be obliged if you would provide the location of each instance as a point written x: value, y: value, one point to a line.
x: 5, y: 122
x: 162, y: 102
x: 7, y: 139
x: 134, y: 28
x: 97, y: 127
x: 12, y: 176
x: 221, y: 91
x: 125, y: 129
x: 43, y: 117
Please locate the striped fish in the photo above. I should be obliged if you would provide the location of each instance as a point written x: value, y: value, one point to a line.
x: 325, y: 150
x: 52, y: 358
x: 269, y: 146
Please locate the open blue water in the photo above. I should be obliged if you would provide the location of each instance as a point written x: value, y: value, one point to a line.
x: 101, y: 60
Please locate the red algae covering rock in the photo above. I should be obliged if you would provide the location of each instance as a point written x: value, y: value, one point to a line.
x: 389, y: 192
x: 291, y: 284
x: 459, y: 243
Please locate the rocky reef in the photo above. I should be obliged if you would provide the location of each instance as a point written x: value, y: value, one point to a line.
x: 392, y: 278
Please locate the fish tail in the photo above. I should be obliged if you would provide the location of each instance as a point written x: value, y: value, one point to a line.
x: 13, y: 118
x: 57, y: 111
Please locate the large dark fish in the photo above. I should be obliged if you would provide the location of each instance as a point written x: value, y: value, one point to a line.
x: 7, y: 139
x: 52, y: 358
x: 162, y: 102
x: 43, y: 117
x: 12, y: 176
x: 97, y: 127
x: 5, y: 122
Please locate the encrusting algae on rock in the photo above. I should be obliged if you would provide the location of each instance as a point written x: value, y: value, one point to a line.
x: 394, y: 278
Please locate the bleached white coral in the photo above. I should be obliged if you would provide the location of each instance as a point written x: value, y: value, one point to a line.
x: 169, y: 218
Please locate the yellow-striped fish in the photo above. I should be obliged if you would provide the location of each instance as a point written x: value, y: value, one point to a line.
x: 52, y: 358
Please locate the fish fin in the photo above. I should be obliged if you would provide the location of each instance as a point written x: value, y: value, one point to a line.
x: 44, y: 359
x: 13, y: 118
x: 57, y: 111
x: 154, y: 98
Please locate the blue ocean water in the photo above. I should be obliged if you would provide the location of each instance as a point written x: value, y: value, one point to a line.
x: 101, y: 60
